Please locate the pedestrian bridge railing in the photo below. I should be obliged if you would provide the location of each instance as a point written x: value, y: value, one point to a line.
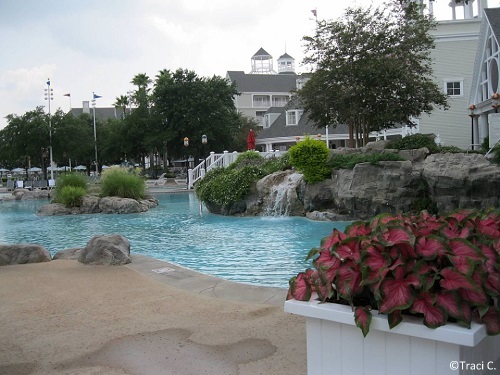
x: 220, y: 160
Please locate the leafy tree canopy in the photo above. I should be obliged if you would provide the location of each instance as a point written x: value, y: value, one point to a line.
x: 191, y: 106
x: 373, y: 68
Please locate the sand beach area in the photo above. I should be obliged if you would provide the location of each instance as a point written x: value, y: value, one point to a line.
x: 145, y: 318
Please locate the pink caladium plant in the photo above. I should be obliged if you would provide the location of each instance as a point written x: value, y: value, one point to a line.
x: 444, y: 269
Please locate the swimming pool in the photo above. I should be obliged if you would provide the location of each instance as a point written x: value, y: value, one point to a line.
x: 265, y: 251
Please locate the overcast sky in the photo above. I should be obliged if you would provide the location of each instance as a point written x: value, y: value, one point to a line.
x: 100, y: 45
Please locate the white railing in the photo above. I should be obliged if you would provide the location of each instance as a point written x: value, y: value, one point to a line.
x: 220, y: 160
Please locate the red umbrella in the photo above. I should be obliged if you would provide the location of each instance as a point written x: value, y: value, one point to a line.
x: 251, y: 140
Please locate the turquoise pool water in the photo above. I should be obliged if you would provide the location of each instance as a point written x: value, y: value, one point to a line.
x: 265, y: 251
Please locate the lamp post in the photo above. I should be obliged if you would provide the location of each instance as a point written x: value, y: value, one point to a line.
x: 204, y: 141
x: 49, y: 95
x: 186, y: 144
x: 495, y: 101
x: 472, y: 114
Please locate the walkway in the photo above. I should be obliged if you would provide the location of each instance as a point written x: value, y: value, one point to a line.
x: 199, y: 283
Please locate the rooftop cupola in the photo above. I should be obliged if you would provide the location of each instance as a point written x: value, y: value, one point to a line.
x: 286, y: 64
x: 262, y: 63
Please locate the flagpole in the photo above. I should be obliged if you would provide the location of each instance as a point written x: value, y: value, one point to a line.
x: 95, y: 137
x: 49, y: 96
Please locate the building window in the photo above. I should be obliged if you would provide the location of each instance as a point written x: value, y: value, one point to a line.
x: 453, y: 88
x: 261, y: 101
x: 267, y: 121
x: 293, y: 117
x: 280, y: 100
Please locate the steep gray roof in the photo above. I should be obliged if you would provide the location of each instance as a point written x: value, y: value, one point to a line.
x: 263, y: 82
x: 261, y: 52
x: 493, y: 15
x: 304, y: 127
x: 285, y: 56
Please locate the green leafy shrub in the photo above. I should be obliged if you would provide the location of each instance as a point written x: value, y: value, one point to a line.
x: 413, y: 142
x: 71, y: 196
x: 247, y: 158
x: 310, y: 157
x: 224, y: 186
x: 74, y: 180
x: 118, y: 182
x: 281, y: 163
x: 71, y: 179
x: 348, y: 161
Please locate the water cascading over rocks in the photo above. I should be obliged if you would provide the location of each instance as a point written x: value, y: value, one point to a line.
x: 278, y: 195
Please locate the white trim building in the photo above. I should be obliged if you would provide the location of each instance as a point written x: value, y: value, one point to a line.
x: 484, y: 100
x: 456, y: 43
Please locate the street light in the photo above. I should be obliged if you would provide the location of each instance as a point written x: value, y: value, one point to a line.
x: 495, y: 101
x: 186, y: 144
x: 204, y: 141
x: 472, y: 114
x: 49, y: 95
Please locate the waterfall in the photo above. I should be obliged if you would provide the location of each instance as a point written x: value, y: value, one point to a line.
x: 282, y: 196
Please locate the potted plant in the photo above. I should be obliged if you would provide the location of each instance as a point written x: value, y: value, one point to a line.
x: 397, y: 271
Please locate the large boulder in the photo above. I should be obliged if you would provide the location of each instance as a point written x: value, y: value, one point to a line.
x: 462, y: 181
x: 111, y: 250
x: 117, y: 205
x: 22, y: 254
x: 90, y: 205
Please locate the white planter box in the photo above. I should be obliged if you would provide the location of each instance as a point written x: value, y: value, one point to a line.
x: 336, y: 346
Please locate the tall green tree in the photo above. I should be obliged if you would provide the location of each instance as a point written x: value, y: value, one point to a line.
x: 187, y: 105
x: 73, y: 139
x: 137, y: 126
x: 141, y: 95
x: 373, y: 69
x: 25, y: 139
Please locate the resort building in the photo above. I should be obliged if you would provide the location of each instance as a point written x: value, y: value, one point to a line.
x: 284, y: 126
x: 263, y: 87
x: 466, y: 66
x: 457, y: 45
x: 101, y: 113
x: 484, y: 98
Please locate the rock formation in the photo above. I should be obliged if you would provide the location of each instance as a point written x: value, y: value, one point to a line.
x: 22, y: 254
x: 92, y: 205
x: 111, y: 250
x: 446, y: 181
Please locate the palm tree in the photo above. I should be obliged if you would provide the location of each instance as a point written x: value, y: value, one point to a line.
x: 142, y: 81
x: 121, y: 102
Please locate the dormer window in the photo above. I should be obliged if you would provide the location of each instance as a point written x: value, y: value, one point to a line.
x: 293, y: 116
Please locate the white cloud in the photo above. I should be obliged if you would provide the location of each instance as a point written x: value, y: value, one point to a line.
x: 100, y: 45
